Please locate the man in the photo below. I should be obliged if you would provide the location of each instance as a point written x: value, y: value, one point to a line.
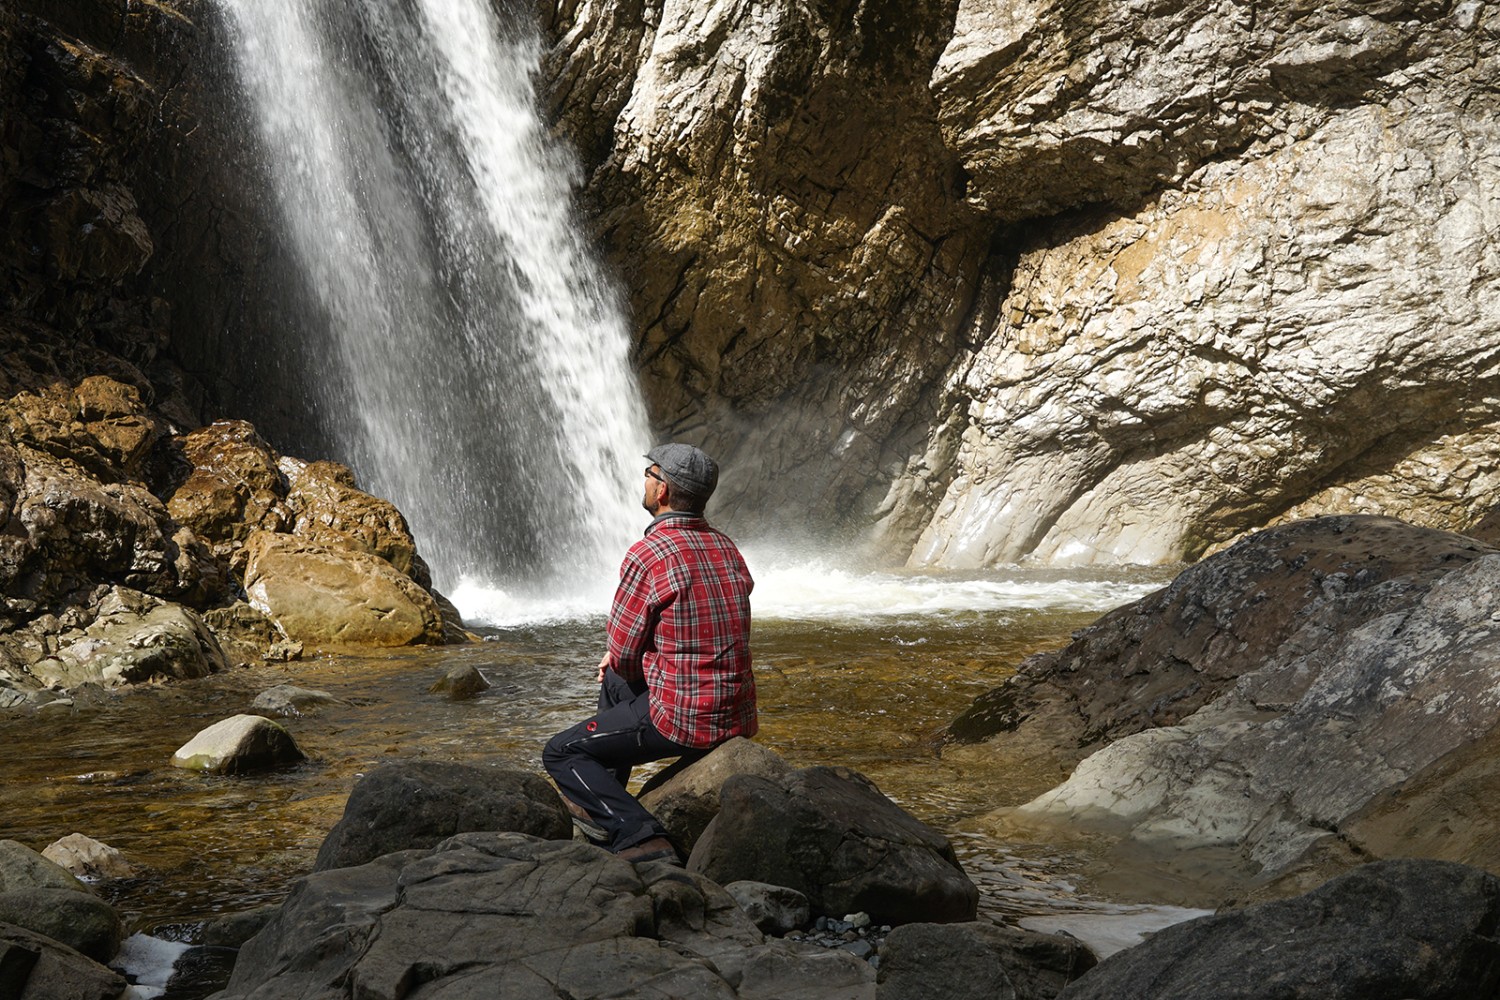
x: 675, y: 680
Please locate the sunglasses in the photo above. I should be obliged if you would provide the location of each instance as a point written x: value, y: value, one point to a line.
x: 652, y: 475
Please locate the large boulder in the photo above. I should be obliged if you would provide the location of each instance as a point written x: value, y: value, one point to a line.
x: 332, y: 597
x: 23, y: 868
x: 977, y: 960
x: 35, y: 967
x: 417, y: 804
x: 1393, y: 930
x: 1292, y: 702
x: 80, y: 920
x: 241, y: 744
x: 686, y: 799
x: 504, y: 915
x: 830, y: 834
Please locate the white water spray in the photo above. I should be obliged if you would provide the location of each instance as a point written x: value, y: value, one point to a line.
x: 478, y: 371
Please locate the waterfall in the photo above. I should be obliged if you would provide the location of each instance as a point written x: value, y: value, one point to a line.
x: 472, y: 358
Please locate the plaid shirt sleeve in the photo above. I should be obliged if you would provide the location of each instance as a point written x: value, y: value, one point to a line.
x: 681, y: 621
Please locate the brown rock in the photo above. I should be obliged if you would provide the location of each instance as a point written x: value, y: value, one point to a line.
x: 235, y: 488
x: 329, y: 509
x: 328, y: 597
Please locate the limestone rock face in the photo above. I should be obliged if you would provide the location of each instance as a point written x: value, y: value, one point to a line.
x: 1179, y: 270
x: 1310, y: 331
x: 336, y: 597
x: 774, y: 190
x: 1292, y: 704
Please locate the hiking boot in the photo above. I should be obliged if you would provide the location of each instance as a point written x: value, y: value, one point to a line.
x: 584, y: 823
x: 655, y: 849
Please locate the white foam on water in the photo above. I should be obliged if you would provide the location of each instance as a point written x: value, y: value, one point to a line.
x: 1109, y: 928
x: 149, y: 961
x: 823, y: 590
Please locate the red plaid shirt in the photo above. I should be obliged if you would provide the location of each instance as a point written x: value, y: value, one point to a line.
x: 681, y: 621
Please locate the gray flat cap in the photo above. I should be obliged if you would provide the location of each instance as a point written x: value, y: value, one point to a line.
x: 687, y: 468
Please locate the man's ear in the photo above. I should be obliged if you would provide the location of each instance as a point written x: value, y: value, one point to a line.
x: 664, y: 493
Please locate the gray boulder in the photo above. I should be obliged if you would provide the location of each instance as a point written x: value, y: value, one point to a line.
x: 417, y: 804
x: 80, y: 920
x: 774, y: 908
x: 1392, y: 930
x: 830, y: 834
x: 686, y: 799
x: 290, y: 700
x: 23, y: 868
x: 503, y: 915
x: 977, y: 961
x: 238, y: 745
x: 460, y: 683
x: 1295, y: 705
x: 35, y: 967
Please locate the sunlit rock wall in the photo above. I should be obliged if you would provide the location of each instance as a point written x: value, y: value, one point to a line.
x: 1144, y: 276
x: 770, y: 181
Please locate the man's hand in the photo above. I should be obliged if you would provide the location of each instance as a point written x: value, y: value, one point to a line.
x: 603, y: 666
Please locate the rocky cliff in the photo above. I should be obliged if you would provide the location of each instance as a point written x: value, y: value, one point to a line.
x: 1074, y: 281
x: 971, y: 282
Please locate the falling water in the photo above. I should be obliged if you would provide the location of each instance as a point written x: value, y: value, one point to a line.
x: 475, y: 358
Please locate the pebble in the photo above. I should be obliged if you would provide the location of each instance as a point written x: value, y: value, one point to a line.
x: 855, y: 934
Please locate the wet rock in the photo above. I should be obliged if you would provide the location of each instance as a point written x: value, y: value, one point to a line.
x: 327, y: 597
x: 249, y: 636
x: 977, y: 960
x: 23, y: 868
x: 415, y: 805
x: 1393, y: 930
x: 235, y: 929
x: 99, y: 423
x: 88, y: 858
x: 775, y: 909
x: 70, y: 531
x: 1280, y: 703
x: 329, y: 509
x: 686, y: 799
x: 80, y: 920
x: 135, y: 638
x: 238, y: 745
x: 460, y: 683
x: 516, y: 917
x: 234, y: 489
x: 35, y: 967
x: 290, y: 700
x: 831, y: 835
